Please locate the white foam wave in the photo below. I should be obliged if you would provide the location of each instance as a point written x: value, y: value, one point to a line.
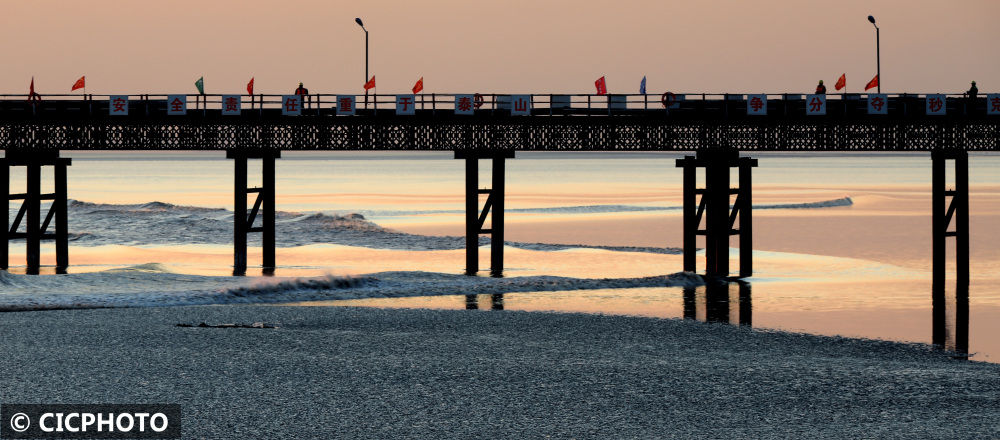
x: 152, y: 285
x: 158, y: 223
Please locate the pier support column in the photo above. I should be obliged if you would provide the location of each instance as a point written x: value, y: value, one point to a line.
x: 950, y: 206
x: 720, y: 220
x: 243, y: 223
x: 5, y: 191
x: 33, y: 225
x: 474, y: 219
x: 30, y: 211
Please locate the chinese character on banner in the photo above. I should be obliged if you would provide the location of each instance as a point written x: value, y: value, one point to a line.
x: 993, y: 104
x: 936, y: 105
x: 464, y: 105
x: 177, y: 105
x: 757, y: 104
x: 405, y: 105
x: 815, y: 105
x: 520, y: 105
x: 291, y: 105
x: 118, y: 105
x: 878, y: 104
x: 345, y: 105
x: 231, y: 105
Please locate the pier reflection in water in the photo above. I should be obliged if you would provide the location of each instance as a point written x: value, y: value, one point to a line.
x: 720, y: 302
x: 950, y: 319
x: 495, y: 300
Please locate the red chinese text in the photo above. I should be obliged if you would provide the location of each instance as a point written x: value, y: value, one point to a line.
x: 934, y: 104
x: 521, y: 105
x: 877, y: 103
x: 346, y: 104
x: 405, y: 101
x: 232, y: 104
x: 815, y: 104
x: 177, y: 105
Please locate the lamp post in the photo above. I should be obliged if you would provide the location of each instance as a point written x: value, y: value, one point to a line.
x: 362, y: 24
x: 878, y: 55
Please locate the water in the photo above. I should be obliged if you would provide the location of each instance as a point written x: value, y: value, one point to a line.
x: 844, y: 248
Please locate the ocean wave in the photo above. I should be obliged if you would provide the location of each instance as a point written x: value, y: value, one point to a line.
x: 843, y: 201
x: 159, y: 223
x: 601, y: 209
x: 151, y: 285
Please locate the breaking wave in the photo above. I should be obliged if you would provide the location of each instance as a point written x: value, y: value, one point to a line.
x: 600, y: 209
x: 159, y: 223
x: 151, y: 285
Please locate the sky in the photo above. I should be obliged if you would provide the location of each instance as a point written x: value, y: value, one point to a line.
x: 511, y: 46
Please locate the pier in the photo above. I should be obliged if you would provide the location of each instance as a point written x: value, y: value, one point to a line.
x: 723, y: 131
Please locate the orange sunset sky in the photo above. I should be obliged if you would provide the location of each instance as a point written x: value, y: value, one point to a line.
x: 497, y: 46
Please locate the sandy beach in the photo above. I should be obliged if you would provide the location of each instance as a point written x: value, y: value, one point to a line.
x: 337, y: 372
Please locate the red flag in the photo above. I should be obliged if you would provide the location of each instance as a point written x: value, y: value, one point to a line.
x: 250, y: 87
x: 371, y: 84
x: 32, y: 96
x: 80, y: 83
x: 872, y: 84
x: 418, y: 86
x: 842, y: 82
x: 602, y: 88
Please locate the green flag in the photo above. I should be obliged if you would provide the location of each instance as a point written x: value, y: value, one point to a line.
x: 200, y: 84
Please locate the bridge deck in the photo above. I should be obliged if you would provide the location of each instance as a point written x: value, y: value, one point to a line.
x: 555, y: 122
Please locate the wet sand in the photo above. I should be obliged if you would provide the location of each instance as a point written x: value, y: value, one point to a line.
x: 375, y: 373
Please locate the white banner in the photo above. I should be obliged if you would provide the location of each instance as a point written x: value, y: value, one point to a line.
x: 464, y: 105
x: 291, y: 105
x: 816, y: 105
x: 231, y: 105
x: 118, y: 105
x: 993, y: 104
x: 346, y: 105
x: 936, y: 104
x: 520, y: 105
x: 757, y: 104
x: 878, y: 104
x: 406, y: 105
x: 177, y: 105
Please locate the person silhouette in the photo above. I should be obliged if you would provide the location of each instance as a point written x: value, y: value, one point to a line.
x: 304, y: 93
x: 973, y: 92
x: 820, y: 88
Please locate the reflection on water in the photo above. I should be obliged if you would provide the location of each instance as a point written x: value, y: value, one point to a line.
x: 950, y: 320
x: 720, y: 302
x: 801, y: 307
x: 495, y: 300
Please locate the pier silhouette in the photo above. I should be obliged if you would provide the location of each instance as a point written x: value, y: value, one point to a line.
x: 717, y: 127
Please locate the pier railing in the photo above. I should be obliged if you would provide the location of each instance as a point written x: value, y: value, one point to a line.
x: 672, y: 104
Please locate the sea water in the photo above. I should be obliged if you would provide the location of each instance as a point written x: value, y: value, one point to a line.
x: 842, y: 239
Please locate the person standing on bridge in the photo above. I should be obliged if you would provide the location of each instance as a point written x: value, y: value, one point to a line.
x: 973, y: 92
x: 303, y: 92
x: 820, y: 88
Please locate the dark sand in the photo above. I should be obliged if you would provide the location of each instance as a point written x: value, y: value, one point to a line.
x: 372, y: 373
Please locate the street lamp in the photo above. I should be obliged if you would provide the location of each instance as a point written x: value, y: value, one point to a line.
x: 362, y: 24
x: 878, y: 56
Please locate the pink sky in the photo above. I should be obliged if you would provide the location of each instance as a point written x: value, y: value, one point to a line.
x: 498, y: 46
